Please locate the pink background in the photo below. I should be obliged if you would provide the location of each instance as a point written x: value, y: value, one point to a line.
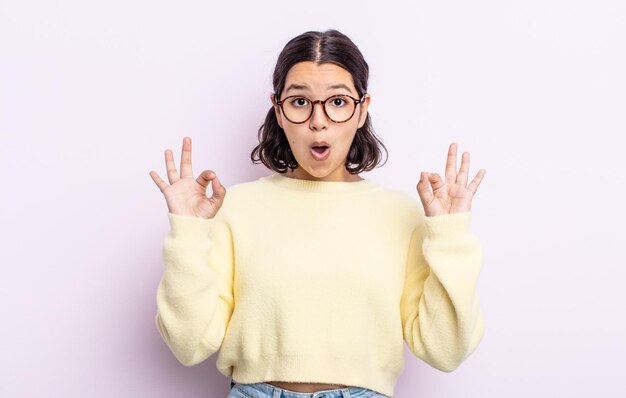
x: 92, y: 94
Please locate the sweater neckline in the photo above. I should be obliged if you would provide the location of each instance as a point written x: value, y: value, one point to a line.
x: 297, y: 184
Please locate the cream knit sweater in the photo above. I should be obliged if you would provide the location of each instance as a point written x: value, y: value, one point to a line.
x: 316, y: 281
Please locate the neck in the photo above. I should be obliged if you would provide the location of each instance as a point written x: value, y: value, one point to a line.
x: 301, y: 175
x: 299, y: 184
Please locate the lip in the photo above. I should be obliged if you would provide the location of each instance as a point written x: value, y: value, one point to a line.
x: 320, y: 143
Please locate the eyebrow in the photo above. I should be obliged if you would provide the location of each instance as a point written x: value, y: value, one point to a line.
x: 303, y: 86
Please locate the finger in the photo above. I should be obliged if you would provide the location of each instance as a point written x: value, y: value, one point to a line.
x: 185, y: 159
x: 435, y: 181
x: 451, y: 164
x: 172, y: 174
x: 205, y: 177
x: 160, y: 183
x: 461, y: 178
x: 473, y: 186
x: 423, y: 189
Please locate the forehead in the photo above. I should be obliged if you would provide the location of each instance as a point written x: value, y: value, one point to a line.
x: 318, y: 77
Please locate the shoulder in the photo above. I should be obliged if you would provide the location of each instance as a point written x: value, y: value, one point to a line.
x: 400, y: 208
x: 401, y: 199
x: 241, y: 189
x: 239, y: 195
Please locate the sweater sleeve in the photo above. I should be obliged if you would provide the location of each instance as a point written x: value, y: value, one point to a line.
x: 442, y: 321
x: 195, y: 294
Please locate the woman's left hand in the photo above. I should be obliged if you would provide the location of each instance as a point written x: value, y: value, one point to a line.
x: 451, y: 196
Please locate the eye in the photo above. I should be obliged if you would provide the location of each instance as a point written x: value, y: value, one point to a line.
x: 338, y: 101
x: 299, y: 101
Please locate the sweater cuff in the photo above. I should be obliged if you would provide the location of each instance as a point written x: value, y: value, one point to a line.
x: 448, y: 224
x: 189, y: 226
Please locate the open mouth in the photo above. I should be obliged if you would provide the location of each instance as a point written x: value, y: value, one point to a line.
x: 320, y: 149
x: 320, y: 152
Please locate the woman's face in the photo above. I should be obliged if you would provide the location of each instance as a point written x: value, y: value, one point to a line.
x: 313, y: 81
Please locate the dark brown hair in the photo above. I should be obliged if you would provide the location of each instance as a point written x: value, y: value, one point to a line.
x: 333, y: 47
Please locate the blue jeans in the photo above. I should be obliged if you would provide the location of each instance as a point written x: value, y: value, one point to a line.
x: 266, y: 390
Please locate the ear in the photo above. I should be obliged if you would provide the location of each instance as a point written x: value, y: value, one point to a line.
x: 279, y: 114
x: 363, y: 110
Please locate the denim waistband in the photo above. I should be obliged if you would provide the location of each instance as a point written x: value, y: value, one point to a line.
x: 272, y: 391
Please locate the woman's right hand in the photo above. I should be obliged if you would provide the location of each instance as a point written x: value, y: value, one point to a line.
x: 186, y: 196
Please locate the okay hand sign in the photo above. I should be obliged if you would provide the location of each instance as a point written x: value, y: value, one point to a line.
x: 186, y: 196
x: 452, y: 195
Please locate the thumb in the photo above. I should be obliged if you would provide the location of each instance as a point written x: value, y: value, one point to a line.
x: 219, y: 190
x: 423, y: 189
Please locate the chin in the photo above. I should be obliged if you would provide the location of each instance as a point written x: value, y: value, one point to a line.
x: 318, y: 174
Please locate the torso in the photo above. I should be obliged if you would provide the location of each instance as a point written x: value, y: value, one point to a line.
x: 305, y: 387
x: 309, y: 387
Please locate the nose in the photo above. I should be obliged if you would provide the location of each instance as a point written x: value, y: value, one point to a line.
x: 318, y: 119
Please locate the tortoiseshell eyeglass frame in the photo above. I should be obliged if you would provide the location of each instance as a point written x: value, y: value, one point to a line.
x: 356, y: 101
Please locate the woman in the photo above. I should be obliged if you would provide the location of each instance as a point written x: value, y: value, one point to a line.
x: 308, y: 281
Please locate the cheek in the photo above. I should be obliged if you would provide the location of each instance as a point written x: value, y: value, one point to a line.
x: 346, y: 140
x: 296, y: 138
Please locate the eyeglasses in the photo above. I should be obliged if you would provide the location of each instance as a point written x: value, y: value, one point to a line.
x: 338, y: 108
